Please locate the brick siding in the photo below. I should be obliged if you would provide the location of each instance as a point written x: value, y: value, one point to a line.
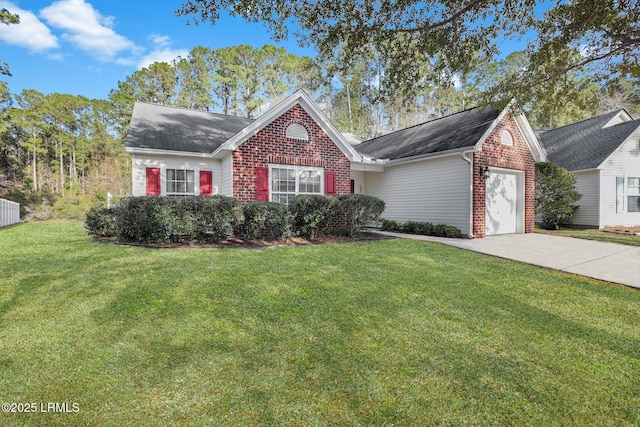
x: 270, y: 145
x: 495, y: 154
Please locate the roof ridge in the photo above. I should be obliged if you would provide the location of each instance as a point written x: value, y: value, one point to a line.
x: 610, y: 113
x: 193, y: 110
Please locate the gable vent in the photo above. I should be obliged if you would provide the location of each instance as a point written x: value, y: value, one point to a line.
x: 297, y: 131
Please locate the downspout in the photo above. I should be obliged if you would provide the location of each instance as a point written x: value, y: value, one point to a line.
x: 470, y: 161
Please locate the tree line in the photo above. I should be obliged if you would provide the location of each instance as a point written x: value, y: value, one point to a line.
x: 61, y: 146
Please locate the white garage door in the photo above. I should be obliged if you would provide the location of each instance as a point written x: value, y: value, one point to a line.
x: 502, y: 203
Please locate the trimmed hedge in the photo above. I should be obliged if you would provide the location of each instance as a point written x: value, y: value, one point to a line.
x: 212, y: 219
x: 266, y: 220
x: 169, y: 219
x: 359, y: 210
x: 422, y: 228
x: 312, y: 215
x: 101, y: 222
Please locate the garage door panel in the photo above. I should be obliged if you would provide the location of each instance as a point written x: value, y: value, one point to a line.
x: 502, y: 203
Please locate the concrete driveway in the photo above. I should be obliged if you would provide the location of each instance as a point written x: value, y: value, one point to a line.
x: 604, y: 261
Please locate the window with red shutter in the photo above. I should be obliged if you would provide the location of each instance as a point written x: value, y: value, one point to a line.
x: 153, y: 181
x: 206, y: 183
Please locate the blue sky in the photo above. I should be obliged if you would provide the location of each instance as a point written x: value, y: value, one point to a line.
x: 84, y: 47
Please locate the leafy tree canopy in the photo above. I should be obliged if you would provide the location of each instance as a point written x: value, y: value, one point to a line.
x: 449, y: 34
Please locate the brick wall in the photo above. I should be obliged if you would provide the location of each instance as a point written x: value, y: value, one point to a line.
x: 517, y: 157
x: 271, y: 146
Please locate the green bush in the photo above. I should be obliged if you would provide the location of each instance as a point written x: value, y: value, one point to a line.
x: 359, y: 210
x: 169, y: 219
x: 410, y: 227
x: 312, y: 215
x: 140, y: 219
x: 555, y: 195
x: 101, y: 222
x: 390, y: 225
x: 422, y: 228
x: 266, y: 220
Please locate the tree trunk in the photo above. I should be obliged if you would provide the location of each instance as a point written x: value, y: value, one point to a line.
x: 35, y: 167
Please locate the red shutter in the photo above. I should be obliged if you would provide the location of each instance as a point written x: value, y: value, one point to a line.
x: 262, y: 184
x: 206, y: 181
x: 153, y: 181
x: 330, y: 183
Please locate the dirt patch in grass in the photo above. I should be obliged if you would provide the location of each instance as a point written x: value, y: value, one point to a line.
x: 234, y: 242
x: 623, y: 230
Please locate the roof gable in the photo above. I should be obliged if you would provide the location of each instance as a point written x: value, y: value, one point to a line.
x: 310, y: 107
x: 159, y: 127
x: 588, y: 143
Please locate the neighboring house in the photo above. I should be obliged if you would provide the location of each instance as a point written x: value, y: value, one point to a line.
x: 604, y: 155
x: 474, y: 170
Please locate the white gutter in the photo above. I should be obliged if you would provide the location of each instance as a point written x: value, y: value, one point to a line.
x: 470, y: 161
x: 159, y: 152
x: 418, y: 158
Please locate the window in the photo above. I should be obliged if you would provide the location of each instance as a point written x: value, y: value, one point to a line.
x: 297, y: 131
x: 180, y: 182
x: 506, y: 138
x: 289, y: 181
x: 633, y: 194
x: 629, y: 194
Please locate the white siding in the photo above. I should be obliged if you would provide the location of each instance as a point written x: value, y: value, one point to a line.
x: 226, y: 187
x: 140, y: 163
x: 625, y: 161
x: 359, y: 184
x: 434, y: 190
x: 587, y: 184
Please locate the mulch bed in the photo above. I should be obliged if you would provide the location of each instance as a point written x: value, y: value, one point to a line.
x: 233, y: 242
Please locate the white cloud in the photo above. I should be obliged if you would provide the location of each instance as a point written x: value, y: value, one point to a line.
x: 161, y: 52
x: 87, y: 29
x: 30, y: 32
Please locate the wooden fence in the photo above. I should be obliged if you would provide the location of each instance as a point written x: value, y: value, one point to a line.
x: 9, y: 212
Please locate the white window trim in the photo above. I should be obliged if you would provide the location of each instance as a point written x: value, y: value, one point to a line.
x: 506, y: 138
x: 196, y: 188
x: 297, y: 169
x: 630, y: 191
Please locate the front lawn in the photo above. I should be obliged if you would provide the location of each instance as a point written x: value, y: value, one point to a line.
x: 591, y: 234
x: 396, y: 332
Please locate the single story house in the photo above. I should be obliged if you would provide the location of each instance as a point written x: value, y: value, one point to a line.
x: 604, y: 155
x: 474, y: 170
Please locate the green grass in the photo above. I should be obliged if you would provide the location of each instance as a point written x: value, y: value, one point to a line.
x: 602, y: 236
x: 394, y: 332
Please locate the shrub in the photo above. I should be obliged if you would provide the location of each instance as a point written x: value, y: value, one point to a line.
x: 214, y: 217
x: 313, y: 214
x: 140, y: 219
x: 266, y: 220
x: 101, y: 222
x: 555, y: 195
x: 390, y: 225
x: 423, y: 228
x: 168, y: 219
x: 410, y: 227
x: 359, y: 210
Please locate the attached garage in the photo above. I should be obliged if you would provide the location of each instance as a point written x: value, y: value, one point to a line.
x: 504, y: 202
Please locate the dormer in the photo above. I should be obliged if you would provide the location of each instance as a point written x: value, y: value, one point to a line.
x: 621, y: 117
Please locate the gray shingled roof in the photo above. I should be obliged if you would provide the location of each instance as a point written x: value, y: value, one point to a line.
x: 180, y: 129
x: 586, y: 144
x: 452, y: 132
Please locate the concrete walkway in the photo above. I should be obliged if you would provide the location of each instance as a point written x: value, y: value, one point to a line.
x: 604, y: 261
